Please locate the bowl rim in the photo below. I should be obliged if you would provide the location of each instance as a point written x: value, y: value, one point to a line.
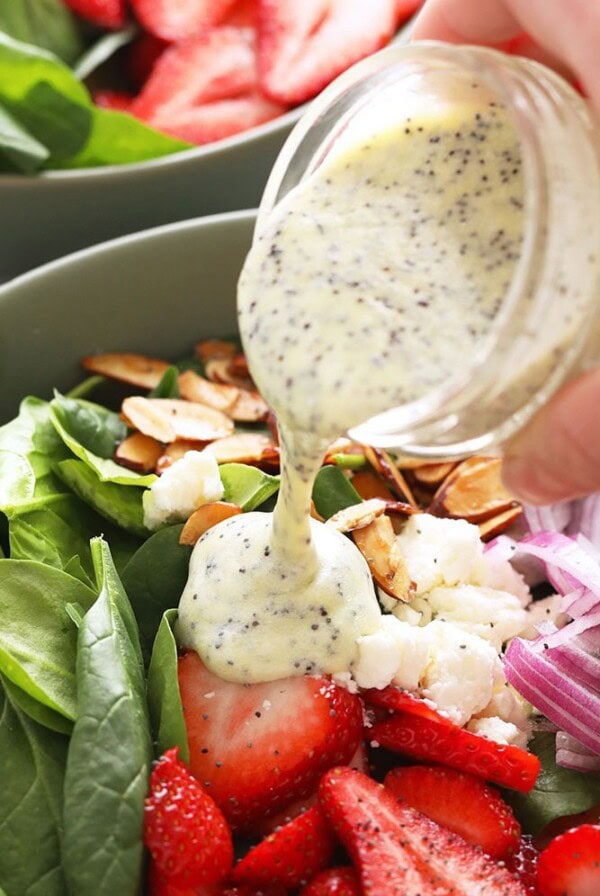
x: 22, y: 281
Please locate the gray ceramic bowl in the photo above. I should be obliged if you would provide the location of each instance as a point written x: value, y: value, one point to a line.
x: 52, y: 214
x: 155, y: 292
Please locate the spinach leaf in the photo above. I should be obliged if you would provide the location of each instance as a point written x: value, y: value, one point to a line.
x: 44, y: 23
x: 32, y: 762
x: 37, y: 640
x: 105, y: 47
x: 92, y: 433
x: 41, y: 714
x: 120, y: 505
x: 82, y: 389
x: 29, y: 447
x: 154, y: 579
x: 168, y: 386
x: 103, y: 811
x: 557, y: 792
x: 57, y: 531
x: 164, y: 698
x: 247, y: 486
x: 20, y: 150
x: 332, y: 491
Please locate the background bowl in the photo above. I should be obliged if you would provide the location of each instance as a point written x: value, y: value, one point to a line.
x: 155, y: 292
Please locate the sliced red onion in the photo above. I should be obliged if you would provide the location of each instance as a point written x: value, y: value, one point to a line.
x: 557, y: 636
x: 552, y: 517
x: 579, y: 602
x: 577, y: 761
x: 588, y: 513
x: 573, y: 659
x: 569, y: 565
x: 500, y: 548
x: 565, y: 702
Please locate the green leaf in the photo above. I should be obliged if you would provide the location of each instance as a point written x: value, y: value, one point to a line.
x: 29, y: 447
x: 121, y: 506
x: 41, y: 714
x: 32, y: 762
x: 246, y: 486
x: 105, y: 47
x: 168, y: 387
x: 154, y: 579
x: 37, y: 640
x: 164, y: 698
x: 557, y: 792
x: 103, y: 811
x: 44, y: 23
x: 21, y: 151
x: 332, y: 491
x: 83, y: 389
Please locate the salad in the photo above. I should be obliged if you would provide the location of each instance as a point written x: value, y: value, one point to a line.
x: 486, y: 740
x: 100, y: 82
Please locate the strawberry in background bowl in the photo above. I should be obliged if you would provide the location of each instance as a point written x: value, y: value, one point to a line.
x: 158, y: 111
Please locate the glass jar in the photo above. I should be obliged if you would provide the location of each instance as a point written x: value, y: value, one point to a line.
x: 547, y: 327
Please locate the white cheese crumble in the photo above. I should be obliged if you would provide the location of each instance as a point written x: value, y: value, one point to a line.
x: 397, y: 653
x: 494, y: 728
x: 439, y: 551
x: 191, y: 481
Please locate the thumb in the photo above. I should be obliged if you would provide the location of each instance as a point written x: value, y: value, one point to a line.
x: 557, y: 456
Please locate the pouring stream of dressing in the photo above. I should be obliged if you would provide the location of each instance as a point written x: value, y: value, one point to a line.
x: 371, y: 283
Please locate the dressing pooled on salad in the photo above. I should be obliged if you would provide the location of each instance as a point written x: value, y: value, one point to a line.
x: 371, y: 282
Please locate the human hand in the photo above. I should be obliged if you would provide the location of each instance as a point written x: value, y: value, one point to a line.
x: 557, y: 455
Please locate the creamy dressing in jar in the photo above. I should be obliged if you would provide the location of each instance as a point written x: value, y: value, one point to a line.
x: 420, y: 222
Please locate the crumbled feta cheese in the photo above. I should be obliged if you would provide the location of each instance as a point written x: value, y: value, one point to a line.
x: 462, y: 671
x: 183, y: 487
x: 543, y: 611
x: 500, y: 575
x: 439, y: 551
x: 498, y: 730
x: 396, y: 652
x: 490, y: 614
x: 345, y: 680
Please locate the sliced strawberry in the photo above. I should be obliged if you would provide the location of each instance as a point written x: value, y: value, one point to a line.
x: 206, y: 89
x: 110, y: 14
x: 341, y: 881
x: 461, y: 802
x: 113, y: 99
x: 399, y: 852
x: 174, y: 20
x: 186, y: 834
x: 434, y: 741
x: 257, y: 748
x: 290, y: 856
x: 523, y: 864
x: 142, y: 55
x: 304, y: 46
x: 406, y: 8
x: 396, y: 699
x: 570, y: 864
x: 244, y: 14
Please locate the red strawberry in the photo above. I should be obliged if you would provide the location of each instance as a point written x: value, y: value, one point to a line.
x: 303, y: 46
x: 185, y: 832
x: 399, y: 852
x: 397, y: 700
x: 290, y: 856
x: 570, y: 864
x: 438, y: 741
x: 524, y: 864
x: 334, y: 882
x: 259, y: 747
x: 464, y: 804
x: 113, y: 99
x: 244, y: 14
x: 206, y: 89
x: 104, y: 13
x: 174, y: 20
x: 406, y: 8
x: 142, y: 55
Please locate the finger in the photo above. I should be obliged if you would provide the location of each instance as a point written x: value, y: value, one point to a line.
x: 557, y: 456
x: 565, y: 29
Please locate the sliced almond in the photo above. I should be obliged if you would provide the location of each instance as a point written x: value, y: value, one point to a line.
x: 204, y: 518
x: 172, y: 420
x: 473, y: 491
x: 357, y: 516
x: 219, y: 371
x: 249, y: 407
x: 241, y: 448
x: 432, y: 475
x: 136, y: 370
x: 370, y: 485
x: 208, y: 349
x: 175, y: 451
x: 220, y: 396
x: 376, y: 542
x: 500, y: 523
x: 383, y: 464
x: 238, y: 366
x: 139, y: 452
